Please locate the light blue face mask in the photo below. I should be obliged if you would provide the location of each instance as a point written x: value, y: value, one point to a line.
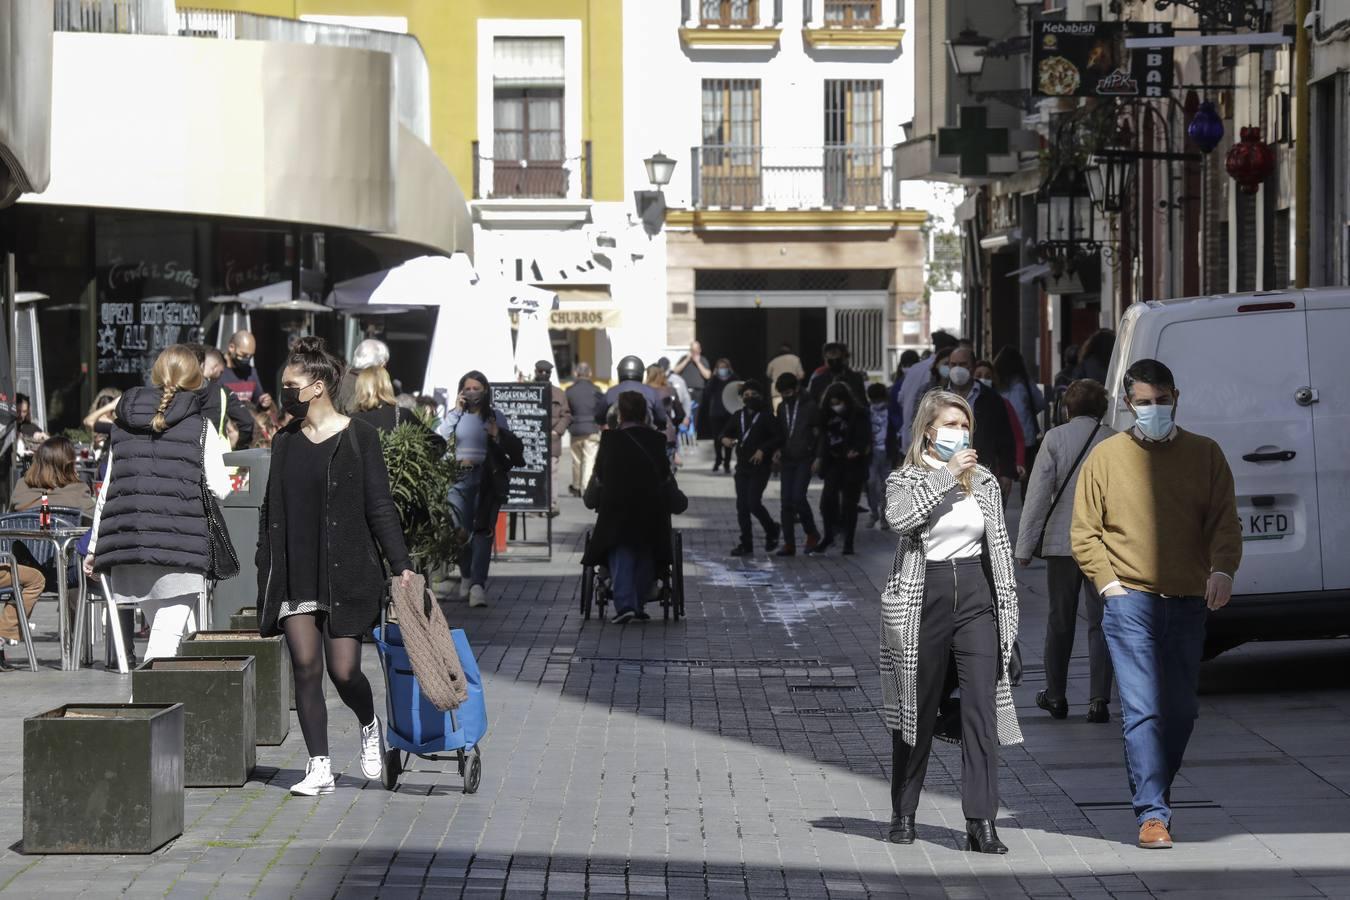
x: 949, y: 442
x: 1155, y: 422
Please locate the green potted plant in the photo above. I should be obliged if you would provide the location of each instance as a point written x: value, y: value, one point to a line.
x: 421, y: 473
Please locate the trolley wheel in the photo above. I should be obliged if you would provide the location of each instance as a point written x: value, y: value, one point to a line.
x: 677, y: 575
x: 393, y: 767
x: 460, y: 759
x: 475, y: 776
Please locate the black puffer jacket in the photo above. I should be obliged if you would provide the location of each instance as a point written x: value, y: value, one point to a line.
x: 154, y: 513
x: 359, y: 512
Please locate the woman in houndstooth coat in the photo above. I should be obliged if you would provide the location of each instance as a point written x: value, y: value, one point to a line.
x: 951, y: 597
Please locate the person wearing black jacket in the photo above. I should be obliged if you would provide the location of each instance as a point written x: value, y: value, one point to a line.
x: 327, y: 519
x: 799, y: 422
x: 630, y: 494
x: 836, y: 371
x: 842, y: 458
x: 755, y: 435
x: 993, y: 441
x: 213, y: 393
x: 713, y: 412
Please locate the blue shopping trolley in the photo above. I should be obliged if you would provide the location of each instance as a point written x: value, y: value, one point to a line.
x: 417, y: 728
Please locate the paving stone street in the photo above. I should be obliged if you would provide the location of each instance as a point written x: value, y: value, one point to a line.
x: 736, y: 754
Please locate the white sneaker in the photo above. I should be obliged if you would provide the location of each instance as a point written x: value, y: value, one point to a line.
x: 463, y: 592
x: 477, y: 596
x: 318, y: 778
x: 372, y: 750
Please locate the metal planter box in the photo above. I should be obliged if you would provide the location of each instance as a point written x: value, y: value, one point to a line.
x: 103, y: 778
x: 272, y: 674
x: 245, y: 620
x: 217, y: 693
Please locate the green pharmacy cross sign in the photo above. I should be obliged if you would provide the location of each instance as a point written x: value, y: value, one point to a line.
x: 973, y: 142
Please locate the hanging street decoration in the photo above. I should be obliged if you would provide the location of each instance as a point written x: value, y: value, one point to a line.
x: 973, y: 142
x: 1206, y: 129
x: 1250, y: 162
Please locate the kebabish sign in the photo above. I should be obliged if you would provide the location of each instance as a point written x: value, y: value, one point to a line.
x: 1089, y: 59
x: 528, y: 411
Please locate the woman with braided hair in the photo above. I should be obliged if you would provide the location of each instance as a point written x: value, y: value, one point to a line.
x: 150, y: 532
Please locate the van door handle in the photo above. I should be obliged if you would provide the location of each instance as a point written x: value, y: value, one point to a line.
x: 1275, y: 456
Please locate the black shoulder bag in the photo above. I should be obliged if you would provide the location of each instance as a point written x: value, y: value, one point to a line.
x: 676, y: 501
x: 1040, y: 542
x: 223, y: 562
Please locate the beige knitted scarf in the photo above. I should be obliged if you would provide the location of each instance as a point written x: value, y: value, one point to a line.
x: 426, y: 637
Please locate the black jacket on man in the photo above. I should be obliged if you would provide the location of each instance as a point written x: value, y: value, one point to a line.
x: 358, y: 514
x: 632, y: 470
x: 235, y: 410
x: 855, y: 380
x: 753, y: 432
x: 994, y: 442
x: 801, y: 441
x: 585, y: 400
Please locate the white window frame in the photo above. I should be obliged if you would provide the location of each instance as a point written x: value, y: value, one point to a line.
x: 569, y: 30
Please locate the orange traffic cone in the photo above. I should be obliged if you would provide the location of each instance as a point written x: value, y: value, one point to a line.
x: 501, y: 532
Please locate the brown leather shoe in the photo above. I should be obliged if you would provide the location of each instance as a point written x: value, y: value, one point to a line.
x: 1153, y: 836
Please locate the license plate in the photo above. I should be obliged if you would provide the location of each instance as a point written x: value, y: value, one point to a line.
x: 1266, y: 524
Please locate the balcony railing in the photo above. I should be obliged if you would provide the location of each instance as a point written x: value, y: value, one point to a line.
x: 793, y: 177
x: 852, y: 13
x: 507, y: 176
x: 412, y: 82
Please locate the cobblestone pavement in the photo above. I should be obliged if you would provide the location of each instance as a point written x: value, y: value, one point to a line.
x: 737, y: 754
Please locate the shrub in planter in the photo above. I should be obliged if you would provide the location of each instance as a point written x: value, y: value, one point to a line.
x: 420, y: 475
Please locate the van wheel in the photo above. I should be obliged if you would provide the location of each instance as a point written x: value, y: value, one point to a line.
x: 1220, y: 644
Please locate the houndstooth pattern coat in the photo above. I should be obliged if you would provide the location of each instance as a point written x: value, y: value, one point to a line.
x: 912, y: 493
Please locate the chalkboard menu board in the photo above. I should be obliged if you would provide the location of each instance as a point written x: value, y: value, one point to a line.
x: 528, y: 411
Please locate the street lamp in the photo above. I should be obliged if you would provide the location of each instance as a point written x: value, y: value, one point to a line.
x: 1109, y: 175
x: 660, y: 168
x: 966, y: 52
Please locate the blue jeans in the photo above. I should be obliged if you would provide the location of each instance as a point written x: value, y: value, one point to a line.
x: 476, y: 555
x: 1156, y: 643
x: 631, y: 571
x: 796, y: 506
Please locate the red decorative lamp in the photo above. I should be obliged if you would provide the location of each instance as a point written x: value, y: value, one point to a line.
x: 1250, y: 162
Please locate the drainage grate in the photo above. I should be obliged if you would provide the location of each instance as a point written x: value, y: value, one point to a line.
x: 1103, y: 805
x: 821, y: 711
x: 822, y: 688
x: 741, y: 663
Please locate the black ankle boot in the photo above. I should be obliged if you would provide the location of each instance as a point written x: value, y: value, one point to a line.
x: 983, y: 837
x: 902, y: 830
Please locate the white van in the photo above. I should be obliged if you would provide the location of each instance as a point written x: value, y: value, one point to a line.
x: 1267, y: 375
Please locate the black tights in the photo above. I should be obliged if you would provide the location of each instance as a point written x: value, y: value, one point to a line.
x: 309, y: 643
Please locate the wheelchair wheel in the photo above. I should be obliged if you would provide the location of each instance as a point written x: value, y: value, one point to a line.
x: 677, y: 576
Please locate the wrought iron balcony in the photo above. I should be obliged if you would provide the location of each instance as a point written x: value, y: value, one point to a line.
x: 828, y: 177
x: 535, y: 174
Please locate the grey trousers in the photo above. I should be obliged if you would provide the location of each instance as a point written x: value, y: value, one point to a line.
x: 1064, y: 582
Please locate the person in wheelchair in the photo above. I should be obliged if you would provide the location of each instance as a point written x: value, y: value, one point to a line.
x: 629, y: 492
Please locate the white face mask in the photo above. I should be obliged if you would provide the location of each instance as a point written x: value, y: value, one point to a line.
x: 987, y: 382
x: 959, y: 376
x: 839, y: 407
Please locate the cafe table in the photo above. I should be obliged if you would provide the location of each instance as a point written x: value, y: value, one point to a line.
x: 63, y: 539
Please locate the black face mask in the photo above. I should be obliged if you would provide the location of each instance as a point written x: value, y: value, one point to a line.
x: 754, y: 404
x: 835, y: 365
x: 291, y: 402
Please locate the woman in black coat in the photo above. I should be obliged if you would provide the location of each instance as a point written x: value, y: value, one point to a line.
x: 842, y: 461
x: 715, y: 413
x: 632, y: 531
x: 320, y: 576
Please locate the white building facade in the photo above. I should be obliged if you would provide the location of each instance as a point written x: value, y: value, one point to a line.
x: 784, y: 222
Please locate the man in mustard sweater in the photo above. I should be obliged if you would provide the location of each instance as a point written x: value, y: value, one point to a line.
x: 1155, y: 528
